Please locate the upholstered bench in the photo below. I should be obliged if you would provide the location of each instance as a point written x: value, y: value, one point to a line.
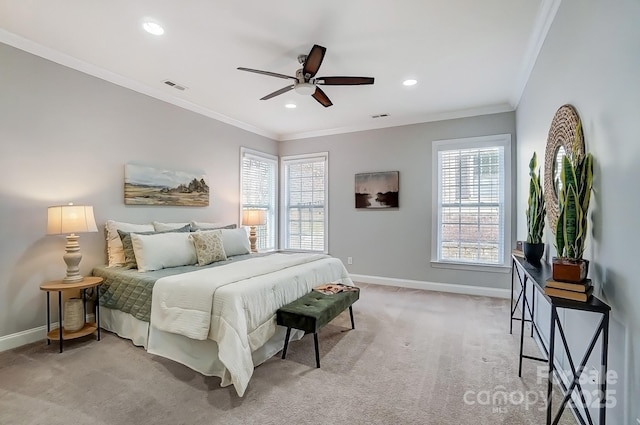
x: 314, y: 310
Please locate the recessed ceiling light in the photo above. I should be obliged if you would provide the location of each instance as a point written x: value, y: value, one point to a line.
x: 290, y: 106
x: 409, y: 82
x: 153, y: 28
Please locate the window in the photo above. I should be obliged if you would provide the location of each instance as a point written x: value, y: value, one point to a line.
x: 258, y: 183
x: 472, y: 199
x: 305, y: 196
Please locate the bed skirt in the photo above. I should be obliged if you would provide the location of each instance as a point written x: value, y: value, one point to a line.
x: 201, y: 356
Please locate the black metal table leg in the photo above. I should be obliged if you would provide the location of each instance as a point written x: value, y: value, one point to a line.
x: 533, y: 309
x: 60, y: 318
x: 84, y: 304
x: 286, y: 343
x: 552, y: 337
x: 353, y: 325
x: 524, y: 299
x: 48, y: 319
x: 603, y: 372
x: 513, y: 266
x: 315, y: 341
x: 97, y: 305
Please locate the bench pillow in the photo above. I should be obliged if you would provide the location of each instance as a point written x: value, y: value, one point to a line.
x: 163, y: 250
x: 115, y: 252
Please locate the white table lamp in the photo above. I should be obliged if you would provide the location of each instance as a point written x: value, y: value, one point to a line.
x: 253, y: 218
x: 69, y: 220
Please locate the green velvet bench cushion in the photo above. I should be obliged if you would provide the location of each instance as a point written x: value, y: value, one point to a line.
x: 314, y: 310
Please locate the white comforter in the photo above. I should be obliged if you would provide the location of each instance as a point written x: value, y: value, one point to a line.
x: 235, y: 304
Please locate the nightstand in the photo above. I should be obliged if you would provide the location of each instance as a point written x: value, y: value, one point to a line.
x: 89, y: 327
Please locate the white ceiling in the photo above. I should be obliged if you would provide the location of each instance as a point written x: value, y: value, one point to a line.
x: 470, y: 57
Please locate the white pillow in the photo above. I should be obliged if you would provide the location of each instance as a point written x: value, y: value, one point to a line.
x: 115, y: 253
x: 235, y: 241
x: 163, y: 250
x: 200, y: 225
x: 163, y: 227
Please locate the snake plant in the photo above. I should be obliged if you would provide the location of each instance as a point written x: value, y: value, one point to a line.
x: 536, y: 208
x: 573, y: 200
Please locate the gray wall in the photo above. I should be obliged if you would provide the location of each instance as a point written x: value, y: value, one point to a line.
x: 395, y: 243
x: 591, y: 59
x: 65, y: 137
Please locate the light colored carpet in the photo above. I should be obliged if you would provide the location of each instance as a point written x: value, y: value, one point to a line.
x: 415, y: 357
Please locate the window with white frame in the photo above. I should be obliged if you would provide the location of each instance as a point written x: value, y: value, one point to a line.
x: 471, y: 197
x: 259, y: 183
x: 304, y: 200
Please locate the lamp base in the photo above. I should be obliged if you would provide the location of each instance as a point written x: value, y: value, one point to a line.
x: 72, y: 257
x: 253, y: 238
x: 73, y: 279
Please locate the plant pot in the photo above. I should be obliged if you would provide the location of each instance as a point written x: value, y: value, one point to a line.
x: 569, y: 270
x: 533, y: 252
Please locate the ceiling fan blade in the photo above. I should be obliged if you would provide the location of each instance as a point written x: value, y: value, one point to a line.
x: 278, y: 92
x: 321, y: 97
x: 272, y: 74
x: 313, y: 62
x: 344, y: 81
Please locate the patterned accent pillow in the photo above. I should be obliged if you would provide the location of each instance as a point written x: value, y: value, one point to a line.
x: 209, y: 248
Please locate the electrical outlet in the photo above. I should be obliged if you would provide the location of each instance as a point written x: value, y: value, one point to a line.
x: 349, y: 260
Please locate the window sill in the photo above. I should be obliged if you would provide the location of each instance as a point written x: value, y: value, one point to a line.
x: 471, y: 267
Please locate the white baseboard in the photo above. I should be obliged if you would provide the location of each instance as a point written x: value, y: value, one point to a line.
x: 23, y: 338
x: 434, y: 286
x: 29, y: 336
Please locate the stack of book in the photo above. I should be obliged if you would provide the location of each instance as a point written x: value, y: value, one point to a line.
x: 571, y: 291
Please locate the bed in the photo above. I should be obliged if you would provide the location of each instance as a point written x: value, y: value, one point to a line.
x: 217, y: 319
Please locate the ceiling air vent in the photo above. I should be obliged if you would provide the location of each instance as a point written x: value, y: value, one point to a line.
x: 379, y: 116
x: 175, y: 85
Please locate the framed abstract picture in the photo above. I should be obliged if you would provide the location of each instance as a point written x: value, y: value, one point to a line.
x: 145, y: 185
x: 377, y: 190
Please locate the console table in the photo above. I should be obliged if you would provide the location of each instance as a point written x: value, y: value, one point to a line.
x: 537, y: 277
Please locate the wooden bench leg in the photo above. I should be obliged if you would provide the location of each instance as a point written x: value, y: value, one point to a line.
x: 286, y: 343
x: 353, y: 325
x: 315, y: 340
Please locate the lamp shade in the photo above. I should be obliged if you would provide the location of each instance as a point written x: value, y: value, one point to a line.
x: 253, y: 217
x: 64, y: 219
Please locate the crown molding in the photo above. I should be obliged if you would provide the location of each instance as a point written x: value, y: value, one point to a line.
x: 402, y: 121
x: 70, y: 62
x: 544, y: 19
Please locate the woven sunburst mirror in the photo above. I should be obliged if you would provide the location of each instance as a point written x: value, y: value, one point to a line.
x: 561, y: 141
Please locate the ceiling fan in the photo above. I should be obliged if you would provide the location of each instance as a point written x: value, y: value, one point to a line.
x: 304, y: 81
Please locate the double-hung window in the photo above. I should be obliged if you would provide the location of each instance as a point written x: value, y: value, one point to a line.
x: 304, y: 201
x: 259, y: 185
x: 471, y: 201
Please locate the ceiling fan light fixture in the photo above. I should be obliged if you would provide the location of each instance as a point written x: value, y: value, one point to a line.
x: 305, y: 88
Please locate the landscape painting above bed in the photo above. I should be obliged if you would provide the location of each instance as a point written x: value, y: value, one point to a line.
x: 146, y: 185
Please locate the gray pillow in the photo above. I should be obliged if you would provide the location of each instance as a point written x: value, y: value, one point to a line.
x: 196, y: 226
x: 127, y: 245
